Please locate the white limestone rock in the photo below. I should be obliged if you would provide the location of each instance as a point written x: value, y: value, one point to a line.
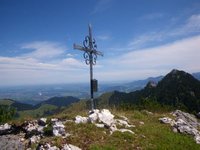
x: 106, y: 117
x: 5, y: 126
x: 126, y: 130
x: 141, y: 123
x: 35, y: 139
x: 80, y: 119
x: 189, y: 118
x: 184, y: 123
x: 42, y: 121
x: 125, y: 118
x: 123, y: 123
x: 70, y: 147
x: 197, y: 139
x: 94, y: 116
x: 167, y: 120
x: 31, y: 125
x: 58, y: 129
x: 99, y: 125
x: 47, y: 146
x: 54, y: 119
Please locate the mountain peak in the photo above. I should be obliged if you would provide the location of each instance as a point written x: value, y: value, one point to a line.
x: 174, y: 71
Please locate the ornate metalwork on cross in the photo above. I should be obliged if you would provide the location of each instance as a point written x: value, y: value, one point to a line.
x: 90, y: 54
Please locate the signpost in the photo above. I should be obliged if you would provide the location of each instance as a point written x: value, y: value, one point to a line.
x: 90, y: 54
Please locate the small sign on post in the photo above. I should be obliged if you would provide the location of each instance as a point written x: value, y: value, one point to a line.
x: 95, y: 85
x: 90, y: 54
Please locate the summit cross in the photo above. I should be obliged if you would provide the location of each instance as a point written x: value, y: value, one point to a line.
x: 90, y: 54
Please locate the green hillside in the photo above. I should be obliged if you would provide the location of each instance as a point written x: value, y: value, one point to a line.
x: 7, y: 102
x: 43, y: 110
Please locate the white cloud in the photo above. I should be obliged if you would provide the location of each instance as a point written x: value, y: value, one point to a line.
x: 191, y: 26
x: 44, y: 50
x: 182, y: 54
x: 146, y: 38
x: 36, y: 67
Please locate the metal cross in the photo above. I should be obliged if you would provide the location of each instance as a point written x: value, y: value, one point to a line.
x: 90, y: 54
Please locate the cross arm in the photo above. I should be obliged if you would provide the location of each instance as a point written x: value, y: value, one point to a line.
x: 98, y: 52
x: 76, y: 46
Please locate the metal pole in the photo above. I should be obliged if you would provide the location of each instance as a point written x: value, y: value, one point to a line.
x: 91, y: 81
x: 91, y: 67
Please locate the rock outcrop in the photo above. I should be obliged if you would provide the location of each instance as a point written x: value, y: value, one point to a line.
x: 105, y: 119
x: 31, y: 132
x: 184, y: 123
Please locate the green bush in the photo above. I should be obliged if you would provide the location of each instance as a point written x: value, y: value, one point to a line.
x: 48, y: 131
x: 6, y: 113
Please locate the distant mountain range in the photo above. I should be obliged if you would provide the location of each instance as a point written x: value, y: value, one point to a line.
x: 138, y: 84
x: 178, y: 89
x: 35, y: 94
x: 196, y: 75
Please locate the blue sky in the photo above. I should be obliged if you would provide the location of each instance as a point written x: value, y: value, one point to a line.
x: 139, y: 38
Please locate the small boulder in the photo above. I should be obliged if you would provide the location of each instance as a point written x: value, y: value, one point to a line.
x: 42, y: 121
x: 123, y: 123
x: 34, y: 139
x: 5, y: 129
x: 70, y: 147
x: 80, y: 119
x: 94, y: 115
x: 58, y: 129
x: 167, y: 120
x: 197, y: 139
x: 99, y: 125
x: 106, y: 117
x: 126, y: 130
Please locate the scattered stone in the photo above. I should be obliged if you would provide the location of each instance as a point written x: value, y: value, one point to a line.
x: 123, y: 123
x: 80, y: 119
x: 30, y: 125
x: 58, y: 129
x: 106, y: 117
x: 124, y: 118
x: 94, y: 116
x: 47, y: 146
x: 175, y: 130
x: 99, y: 125
x: 42, y: 121
x: 113, y: 128
x: 5, y: 126
x: 54, y: 119
x: 141, y: 123
x: 126, y: 130
x: 184, y: 123
x: 167, y: 120
x: 5, y: 129
x: 34, y: 139
x: 197, y: 139
x: 70, y: 147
